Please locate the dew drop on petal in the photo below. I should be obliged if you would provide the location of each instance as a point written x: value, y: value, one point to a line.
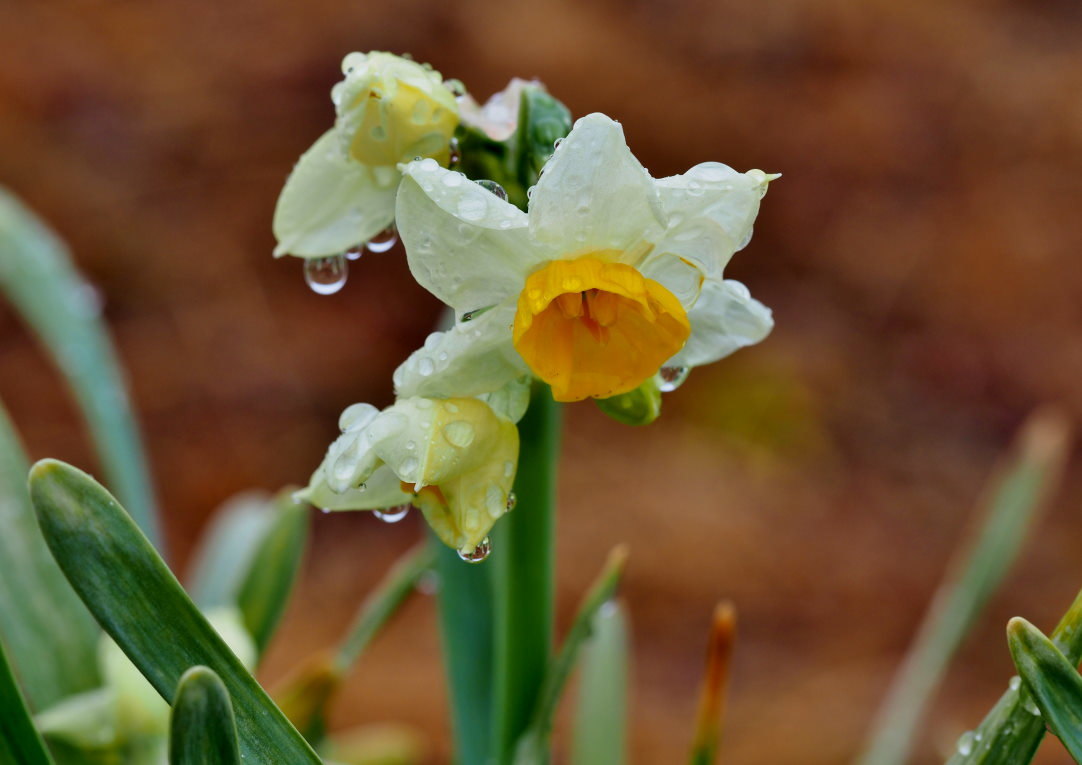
x: 393, y: 514
x: 494, y: 188
x: 1015, y: 683
x: 459, y: 433
x: 512, y: 500
x: 477, y: 554
x: 671, y: 378
x: 354, y: 253
x: 456, y: 154
x: 324, y: 510
x: 326, y: 276
x: 383, y: 241
x: 425, y: 366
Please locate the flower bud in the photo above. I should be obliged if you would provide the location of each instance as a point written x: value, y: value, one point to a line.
x: 636, y: 407
x: 391, y: 110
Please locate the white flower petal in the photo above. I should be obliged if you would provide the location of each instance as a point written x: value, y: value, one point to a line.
x: 381, y: 491
x: 473, y: 358
x: 710, y: 211
x: 512, y: 400
x: 725, y: 319
x: 331, y: 203
x: 683, y: 278
x: 465, y: 245
x: 593, y: 193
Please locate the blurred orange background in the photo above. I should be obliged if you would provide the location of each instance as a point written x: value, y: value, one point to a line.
x: 920, y: 254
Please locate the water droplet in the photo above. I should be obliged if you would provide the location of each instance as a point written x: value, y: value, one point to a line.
x: 472, y: 207
x: 508, y: 469
x: 356, y: 417
x: 1015, y: 683
x: 425, y: 366
x: 325, y: 276
x: 451, y: 180
x: 477, y: 554
x: 354, y: 253
x: 392, y: 515
x: 965, y: 743
x: 493, y: 187
x: 512, y: 500
x: 411, y: 445
x: 1031, y: 707
x: 408, y: 469
x: 459, y: 433
x: 557, y: 142
x: 324, y: 510
x: 671, y: 378
x: 456, y: 155
x: 383, y: 241
x: 746, y: 240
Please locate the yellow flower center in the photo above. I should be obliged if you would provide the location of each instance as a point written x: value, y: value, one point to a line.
x: 594, y: 329
x: 394, y: 122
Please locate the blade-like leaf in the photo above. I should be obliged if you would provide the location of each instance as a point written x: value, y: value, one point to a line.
x: 51, y: 638
x: 202, y: 730
x: 224, y: 556
x: 1053, y: 681
x: 268, y: 582
x: 1016, y: 494
x: 704, y: 749
x: 533, y: 746
x: 305, y: 696
x: 600, y: 734
x: 137, y: 600
x: 38, y: 277
x: 20, y: 743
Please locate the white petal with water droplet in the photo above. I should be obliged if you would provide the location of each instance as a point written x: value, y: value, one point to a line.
x: 331, y: 203
x: 725, y: 319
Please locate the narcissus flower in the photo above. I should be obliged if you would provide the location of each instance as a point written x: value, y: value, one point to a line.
x: 342, y: 191
x: 454, y: 458
x: 609, y: 277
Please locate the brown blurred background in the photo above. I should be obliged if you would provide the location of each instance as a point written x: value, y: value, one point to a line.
x: 920, y: 254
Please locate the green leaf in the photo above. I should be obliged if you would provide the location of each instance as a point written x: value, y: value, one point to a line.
x: 224, y: 556
x: 136, y: 599
x: 20, y: 743
x: 50, y: 636
x: 268, y: 582
x: 516, y: 162
x: 533, y: 747
x: 600, y: 733
x: 1053, y: 681
x: 202, y: 729
x: 1015, y: 495
x: 523, y: 565
x: 38, y: 277
x: 304, y: 698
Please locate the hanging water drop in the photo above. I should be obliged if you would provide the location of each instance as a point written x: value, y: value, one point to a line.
x: 671, y: 378
x: 383, y: 241
x: 455, y: 155
x: 478, y: 553
x: 354, y: 253
x: 324, y: 510
x: 965, y: 743
x: 512, y: 500
x: 493, y: 187
x: 325, y: 276
x: 392, y: 515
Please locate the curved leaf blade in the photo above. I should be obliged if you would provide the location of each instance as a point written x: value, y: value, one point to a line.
x: 268, y: 582
x: 226, y: 549
x: 20, y: 743
x: 37, y: 275
x: 202, y: 729
x: 600, y: 734
x: 51, y: 638
x: 1052, y: 679
x: 138, y: 601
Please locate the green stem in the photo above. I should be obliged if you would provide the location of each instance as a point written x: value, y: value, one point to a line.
x: 523, y: 565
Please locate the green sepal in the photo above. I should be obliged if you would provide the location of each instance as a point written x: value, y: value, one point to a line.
x: 202, y: 728
x: 636, y: 407
x: 516, y: 163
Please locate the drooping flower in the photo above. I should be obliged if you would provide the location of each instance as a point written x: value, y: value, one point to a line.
x: 342, y: 191
x: 455, y: 459
x: 610, y: 276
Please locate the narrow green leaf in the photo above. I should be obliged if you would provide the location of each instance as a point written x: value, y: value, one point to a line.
x: 533, y: 747
x: 1011, y: 733
x: 707, y: 741
x: 1016, y: 494
x: 224, y: 556
x: 523, y: 564
x: 51, y: 638
x: 20, y: 743
x: 38, y: 277
x: 1052, y: 680
x: 269, y: 579
x: 305, y: 696
x: 466, y: 629
x: 600, y: 732
x: 202, y: 729
x: 136, y: 599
